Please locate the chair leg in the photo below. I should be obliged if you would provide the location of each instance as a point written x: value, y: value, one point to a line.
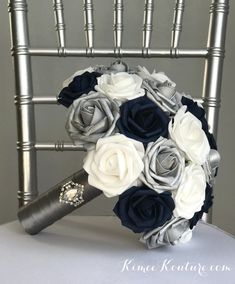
x: 23, y: 99
x: 214, y: 66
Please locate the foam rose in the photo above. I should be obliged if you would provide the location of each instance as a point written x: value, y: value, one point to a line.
x: 186, y: 130
x: 163, y: 165
x: 171, y: 233
x: 91, y: 117
x: 121, y: 86
x: 190, y: 195
x: 115, y: 164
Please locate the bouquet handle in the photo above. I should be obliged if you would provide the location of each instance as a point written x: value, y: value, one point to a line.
x: 62, y: 199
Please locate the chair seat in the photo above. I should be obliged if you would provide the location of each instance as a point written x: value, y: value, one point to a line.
x: 99, y: 250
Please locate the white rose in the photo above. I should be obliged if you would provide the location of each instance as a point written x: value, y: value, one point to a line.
x: 77, y: 73
x: 121, y: 86
x: 186, y: 130
x: 115, y: 164
x: 190, y: 195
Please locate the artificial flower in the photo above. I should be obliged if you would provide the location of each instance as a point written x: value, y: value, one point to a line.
x: 163, y: 165
x: 115, y: 164
x: 121, y: 86
x: 80, y: 84
x: 171, y: 233
x: 190, y: 195
x: 142, y: 120
x: 92, y: 117
x: 141, y: 209
x: 186, y: 130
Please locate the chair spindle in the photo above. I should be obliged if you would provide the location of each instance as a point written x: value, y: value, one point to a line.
x: 59, y: 22
x: 89, y: 24
x: 177, y: 23
x: 147, y: 24
x: 118, y: 25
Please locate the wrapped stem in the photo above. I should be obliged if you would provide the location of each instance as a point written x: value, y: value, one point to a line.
x: 62, y: 199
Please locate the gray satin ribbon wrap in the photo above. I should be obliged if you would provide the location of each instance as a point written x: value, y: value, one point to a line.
x: 169, y: 234
x: 47, y: 208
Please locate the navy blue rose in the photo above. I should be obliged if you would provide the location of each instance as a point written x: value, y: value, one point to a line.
x: 142, y: 120
x: 81, y: 84
x: 142, y: 209
x: 205, y: 207
x: 199, y: 112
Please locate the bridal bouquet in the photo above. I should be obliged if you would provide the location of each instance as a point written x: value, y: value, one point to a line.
x: 146, y: 143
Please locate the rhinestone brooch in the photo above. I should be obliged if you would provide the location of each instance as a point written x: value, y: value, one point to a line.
x: 72, y: 193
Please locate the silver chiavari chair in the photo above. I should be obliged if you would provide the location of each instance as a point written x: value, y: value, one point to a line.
x: 22, y: 51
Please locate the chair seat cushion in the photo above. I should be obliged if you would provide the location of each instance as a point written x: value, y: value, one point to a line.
x: 79, y: 249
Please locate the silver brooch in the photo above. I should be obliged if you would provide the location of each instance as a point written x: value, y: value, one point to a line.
x: 72, y: 193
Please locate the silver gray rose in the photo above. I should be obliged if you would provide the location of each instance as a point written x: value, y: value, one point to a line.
x: 91, y: 117
x: 164, y: 95
x: 175, y: 231
x: 163, y: 165
x: 211, y: 166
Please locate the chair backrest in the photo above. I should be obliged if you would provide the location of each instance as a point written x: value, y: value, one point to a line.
x: 22, y: 52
